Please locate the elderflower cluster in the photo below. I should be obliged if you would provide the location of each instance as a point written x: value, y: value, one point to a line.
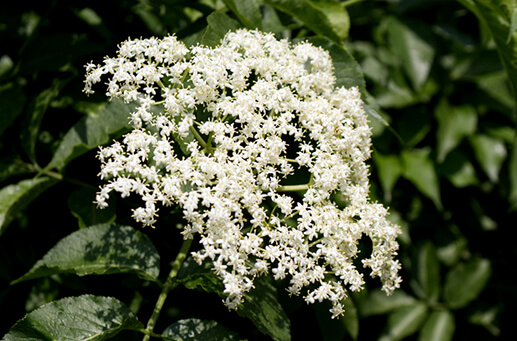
x: 254, y: 142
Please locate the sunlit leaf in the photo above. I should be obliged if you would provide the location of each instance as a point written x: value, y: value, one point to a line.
x: 15, y: 197
x: 465, y: 281
x: 389, y: 169
x: 219, y: 23
x: 198, y: 330
x: 438, y: 327
x: 99, y: 250
x: 88, y: 318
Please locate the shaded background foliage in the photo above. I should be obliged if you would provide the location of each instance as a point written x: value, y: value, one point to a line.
x: 442, y: 73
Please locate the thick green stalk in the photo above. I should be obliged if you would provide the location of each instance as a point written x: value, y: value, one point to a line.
x: 170, y: 284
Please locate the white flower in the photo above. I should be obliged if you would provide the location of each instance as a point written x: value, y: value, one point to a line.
x: 256, y: 118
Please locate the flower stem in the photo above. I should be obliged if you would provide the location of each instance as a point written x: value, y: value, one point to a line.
x: 170, y: 284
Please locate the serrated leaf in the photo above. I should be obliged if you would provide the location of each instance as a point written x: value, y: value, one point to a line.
x: 454, y: 123
x: 465, y: 281
x: 309, y: 14
x: 426, y: 273
x: 376, y: 302
x: 15, y: 197
x: 419, y: 169
x: 490, y: 153
x: 260, y: 304
x: 198, y: 330
x: 438, y: 327
x: 87, y: 317
x: 99, y: 250
x: 97, y: 128
x: 415, y: 52
x: 404, y: 321
x: 247, y: 11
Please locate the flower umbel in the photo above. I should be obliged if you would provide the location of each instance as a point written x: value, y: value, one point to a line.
x: 254, y: 142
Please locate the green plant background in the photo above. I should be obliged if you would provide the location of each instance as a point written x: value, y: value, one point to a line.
x: 439, y: 80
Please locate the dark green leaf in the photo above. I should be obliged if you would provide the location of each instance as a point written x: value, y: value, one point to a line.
x: 419, y: 169
x: 97, y: 128
x: 247, y: 11
x: 75, y: 318
x: 15, y: 197
x: 12, y: 101
x: 98, y: 250
x: 198, y: 330
x: 404, y: 322
x: 82, y: 206
x: 12, y: 166
x: 465, y: 281
x: 36, y: 110
x: 351, y: 318
x: 458, y: 169
x: 438, y: 327
x: 260, y: 305
x: 426, y: 273
x: 499, y: 17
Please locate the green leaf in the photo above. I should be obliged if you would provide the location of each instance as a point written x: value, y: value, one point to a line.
x: 198, y: 330
x: 247, y: 11
x: 75, y: 318
x: 336, y: 15
x: 490, y: 153
x: 499, y: 17
x: 36, y: 110
x: 219, y: 23
x: 513, y: 171
x: 389, y: 169
x: 348, y: 74
x: 414, y: 51
x: 454, y: 123
x: 404, y: 322
x: 438, y: 327
x: 15, y: 197
x: 426, y: 273
x: 260, y: 304
x: 376, y: 302
x: 458, y: 169
x: 13, y: 165
x: 465, y: 281
x: 419, y: 169
x: 312, y: 16
x: 108, y: 122
x: 12, y: 101
x: 82, y: 206
x: 99, y: 250
x: 351, y: 318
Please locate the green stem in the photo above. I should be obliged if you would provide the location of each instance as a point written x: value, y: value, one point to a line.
x: 198, y: 137
x: 292, y: 188
x: 170, y: 284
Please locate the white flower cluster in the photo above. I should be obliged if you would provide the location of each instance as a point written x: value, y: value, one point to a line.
x: 223, y: 132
